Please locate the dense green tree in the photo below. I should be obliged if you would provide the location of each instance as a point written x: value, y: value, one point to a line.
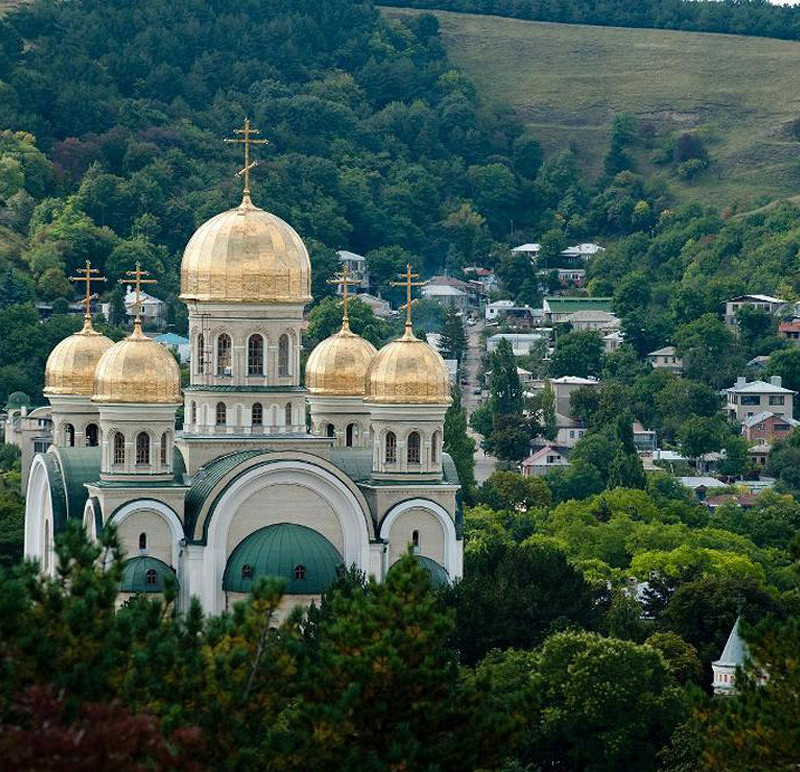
x: 460, y: 445
x: 708, y: 350
x: 454, y: 338
x: 505, y: 391
x: 510, y: 490
x: 578, y: 353
x: 326, y: 319
x: 786, y: 364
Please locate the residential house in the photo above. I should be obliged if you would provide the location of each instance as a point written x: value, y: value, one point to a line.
x: 570, y: 430
x: 790, y: 330
x: 484, y: 276
x: 571, y: 277
x: 175, y: 343
x: 743, y: 500
x: 379, y: 306
x: 612, y: 341
x: 31, y: 430
x: 557, y: 309
x: 447, y: 295
x: 766, y: 303
x: 701, y: 485
x: 766, y: 427
x: 544, y: 460
x: 759, y: 454
x: 666, y: 358
x: 521, y: 342
x: 529, y: 250
x: 643, y: 439
x: 746, y: 400
x: 356, y: 270
x: 153, y: 310
x: 582, y: 251
x: 563, y: 388
x: 758, y: 364
x: 587, y: 319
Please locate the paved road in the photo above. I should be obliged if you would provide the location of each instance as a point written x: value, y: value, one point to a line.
x: 484, y: 464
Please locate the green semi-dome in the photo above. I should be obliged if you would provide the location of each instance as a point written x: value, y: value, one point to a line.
x: 436, y: 571
x: 305, y: 559
x: 17, y: 399
x: 144, y: 574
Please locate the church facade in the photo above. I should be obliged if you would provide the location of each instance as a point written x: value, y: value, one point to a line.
x: 245, y: 490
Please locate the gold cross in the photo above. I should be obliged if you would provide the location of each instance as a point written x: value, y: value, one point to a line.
x: 246, y: 140
x: 408, y: 283
x: 345, y: 282
x: 137, y: 275
x: 88, y: 276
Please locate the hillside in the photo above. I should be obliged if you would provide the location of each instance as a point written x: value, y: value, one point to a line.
x: 567, y: 82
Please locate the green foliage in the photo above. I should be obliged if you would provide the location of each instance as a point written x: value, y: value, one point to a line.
x: 325, y: 319
x: 454, y: 336
x: 460, y: 445
x: 681, y: 657
x: 511, y: 491
x: 578, y: 353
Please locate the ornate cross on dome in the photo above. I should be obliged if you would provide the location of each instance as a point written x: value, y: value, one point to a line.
x: 345, y: 282
x: 87, y: 276
x: 244, y: 138
x: 137, y: 275
x: 408, y: 282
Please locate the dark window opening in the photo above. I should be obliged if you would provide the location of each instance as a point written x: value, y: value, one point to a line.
x: 299, y: 572
x: 151, y: 577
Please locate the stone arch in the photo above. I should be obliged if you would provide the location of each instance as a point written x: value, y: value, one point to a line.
x: 453, y: 559
x: 167, y: 514
x: 38, y: 509
x: 347, y: 506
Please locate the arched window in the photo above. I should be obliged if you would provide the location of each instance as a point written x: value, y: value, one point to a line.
x: 92, y: 435
x: 119, y: 448
x: 287, y: 415
x: 283, y: 355
x: 224, y: 354
x: 143, y: 448
x: 194, y: 412
x: 330, y: 430
x: 164, y: 443
x: 201, y: 354
x: 413, y: 448
x: 222, y: 414
x: 391, y: 448
x: 142, y: 541
x: 299, y: 572
x: 258, y: 414
x: 435, y: 448
x: 151, y: 577
x: 69, y: 436
x: 349, y: 435
x: 415, y: 542
x: 247, y: 571
x: 255, y: 355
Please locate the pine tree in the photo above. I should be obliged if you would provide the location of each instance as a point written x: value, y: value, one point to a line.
x: 453, y: 337
x: 506, y: 389
x: 459, y: 445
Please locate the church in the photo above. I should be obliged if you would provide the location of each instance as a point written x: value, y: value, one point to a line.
x: 246, y: 489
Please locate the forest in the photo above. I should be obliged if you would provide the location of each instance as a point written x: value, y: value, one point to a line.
x: 733, y: 17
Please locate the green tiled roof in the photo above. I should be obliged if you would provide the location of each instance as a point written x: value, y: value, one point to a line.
x: 58, y: 495
x: 568, y: 305
x: 304, y: 558
x: 134, y: 574
x: 437, y: 572
x: 79, y: 465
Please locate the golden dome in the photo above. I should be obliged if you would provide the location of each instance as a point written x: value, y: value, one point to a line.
x: 71, y: 364
x: 137, y: 369
x: 246, y: 255
x: 338, y: 366
x: 408, y: 371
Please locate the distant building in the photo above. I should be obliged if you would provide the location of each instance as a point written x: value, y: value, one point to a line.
x: 746, y: 400
x: 31, y: 430
x: 521, y: 342
x: 759, y: 454
x: 570, y: 430
x: 572, y: 277
x: 175, y: 343
x: 587, y: 319
x: 768, y: 427
x: 544, y: 460
x: 766, y: 303
x: 666, y: 359
x: 356, y: 269
x: 582, y: 251
x: 758, y: 363
x: 379, y: 306
x: 612, y: 341
x: 733, y: 656
x: 529, y: 250
x: 499, y: 307
x: 701, y: 485
x: 447, y: 295
x: 564, y: 386
x: 790, y: 330
x: 644, y: 439
x: 557, y: 309
x: 153, y: 309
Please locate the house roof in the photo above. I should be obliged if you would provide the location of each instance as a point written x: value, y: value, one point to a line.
x: 574, y: 380
x: 345, y: 254
x: 592, y: 315
x: 701, y: 482
x: 501, y: 304
x: 666, y: 351
x: 568, y: 422
x: 530, y: 247
x: 582, y: 250
x: 764, y: 415
x: 757, y: 298
x: 758, y: 387
x: 443, y: 290
x: 171, y: 339
x: 542, y: 453
x: 568, y: 305
x: 763, y: 448
x: 735, y: 651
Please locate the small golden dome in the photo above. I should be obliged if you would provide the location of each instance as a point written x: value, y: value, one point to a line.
x: 408, y: 371
x: 246, y: 255
x: 137, y: 369
x: 338, y: 366
x: 71, y: 364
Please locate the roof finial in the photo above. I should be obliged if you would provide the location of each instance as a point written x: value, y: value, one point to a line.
x: 88, y: 276
x: 345, y: 282
x: 408, y: 282
x: 246, y: 140
x: 137, y: 275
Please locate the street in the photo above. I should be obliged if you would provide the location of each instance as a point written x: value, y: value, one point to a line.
x: 484, y: 464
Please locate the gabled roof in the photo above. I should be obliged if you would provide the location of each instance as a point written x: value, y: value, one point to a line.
x: 574, y: 380
x: 764, y: 415
x: 444, y: 290
x: 345, y: 254
x: 568, y: 305
x: 667, y: 351
x: 757, y: 299
x: 542, y: 453
x: 758, y: 387
x: 530, y: 247
x: 171, y: 339
x: 591, y: 315
x: 735, y: 651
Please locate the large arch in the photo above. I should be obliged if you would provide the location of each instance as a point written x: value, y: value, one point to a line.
x: 120, y: 515
x: 207, y: 566
x: 453, y: 555
x: 38, y: 510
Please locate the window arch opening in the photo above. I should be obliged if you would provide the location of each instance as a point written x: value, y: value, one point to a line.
x: 142, y: 448
x: 119, y: 448
x: 142, y: 541
x: 413, y: 452
x: 92, y: 435
x: 415, y: 542
x: 255, y: 355
x: 287, y: 415
x: 391, y: 448
x: 201, y: 354
x: 224, y: 354
x: 69, y: 436
x: 300, y: 572
x: 164, y: 448
x: 257, y: 414
x: 151, y: 577
x: 222, y: 414
x: 283, y: 355
x: 349, y: 436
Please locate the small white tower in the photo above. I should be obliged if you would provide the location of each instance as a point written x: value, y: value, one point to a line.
x: 69, y: 377
x: 336, y: 382
x: 733, y: 655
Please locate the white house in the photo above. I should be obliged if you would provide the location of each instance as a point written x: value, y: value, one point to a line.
x: 356, y: 269
x: 447, y: 295
x: 544, y: 460
x: 746, y: 400
x: 765, y: 303
x: 666, y: 358
x: 582, y: 251
x: 612, y: 341
x: 153, y: 309
x: 529, y: 250
x: 588, y: 319
x: 521, y: 342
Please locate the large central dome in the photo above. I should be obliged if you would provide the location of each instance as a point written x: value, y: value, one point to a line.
x: 246, y: 255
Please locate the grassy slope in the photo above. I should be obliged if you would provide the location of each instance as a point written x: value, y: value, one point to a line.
x: 567, y: 81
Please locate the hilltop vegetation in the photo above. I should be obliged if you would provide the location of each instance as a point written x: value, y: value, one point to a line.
x: 567, y: 82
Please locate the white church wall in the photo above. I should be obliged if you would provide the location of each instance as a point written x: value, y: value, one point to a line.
x: 429, y: 528
x: 157, y: 532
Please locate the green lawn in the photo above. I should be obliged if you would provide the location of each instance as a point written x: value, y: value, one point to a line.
x: 567, y: 82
